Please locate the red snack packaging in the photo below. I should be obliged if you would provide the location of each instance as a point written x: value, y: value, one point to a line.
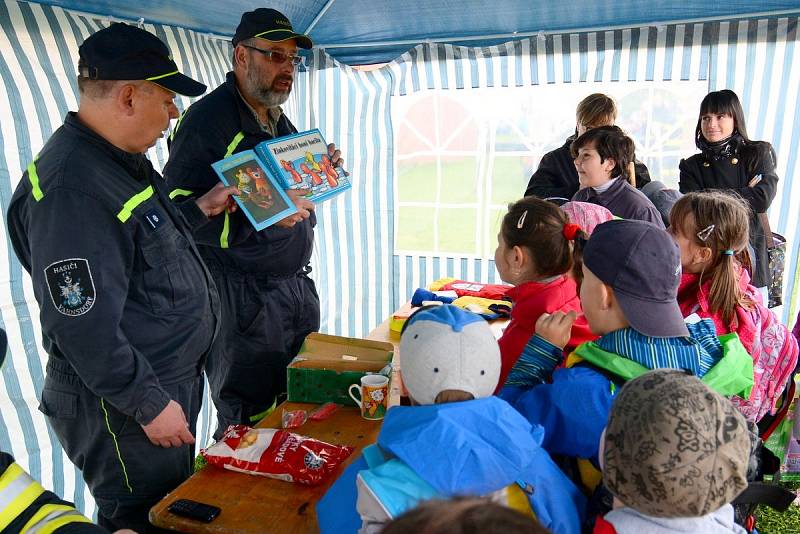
x: 293, y: 418
x: 276, y: 454
x: 324, y: 411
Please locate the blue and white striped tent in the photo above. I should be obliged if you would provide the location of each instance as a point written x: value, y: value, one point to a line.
x: 361, y: 275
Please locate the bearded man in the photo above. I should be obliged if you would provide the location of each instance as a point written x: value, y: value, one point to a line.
x: 269, y: 303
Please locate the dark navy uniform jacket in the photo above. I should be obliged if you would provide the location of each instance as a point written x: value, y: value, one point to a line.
x: 123, y: 294
x: 214, y: 127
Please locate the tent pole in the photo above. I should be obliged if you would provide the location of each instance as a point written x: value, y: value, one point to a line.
x: 520, y: 35
x: 321, y: 14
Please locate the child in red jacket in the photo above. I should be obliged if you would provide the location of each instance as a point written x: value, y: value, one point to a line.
x: 534, y: 253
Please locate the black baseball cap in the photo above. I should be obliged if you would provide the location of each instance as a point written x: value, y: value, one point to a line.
x: 268, y: 24
x: 123, y: 52
x: 642, y: 264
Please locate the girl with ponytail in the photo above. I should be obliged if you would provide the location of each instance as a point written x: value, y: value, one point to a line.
x: 711, y: 229
x: 534, y: 254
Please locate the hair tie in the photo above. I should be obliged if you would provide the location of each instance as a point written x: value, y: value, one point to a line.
x: 570, y: 231
x: 728, y: 252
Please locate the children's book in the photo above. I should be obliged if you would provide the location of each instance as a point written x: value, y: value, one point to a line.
x: 298, y: 161
x: 301, y: 161
x: 262, y: 198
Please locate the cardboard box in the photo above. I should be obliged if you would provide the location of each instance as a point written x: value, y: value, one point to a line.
x: 319, y: 373
x: 400, y: 317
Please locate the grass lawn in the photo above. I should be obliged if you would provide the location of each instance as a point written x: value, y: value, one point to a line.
x: 768, y: 521
x: 509, y: 180
x: 457, y: 226
x: 415, y: 229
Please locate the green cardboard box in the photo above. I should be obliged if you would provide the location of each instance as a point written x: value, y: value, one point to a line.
x: 326, y: 366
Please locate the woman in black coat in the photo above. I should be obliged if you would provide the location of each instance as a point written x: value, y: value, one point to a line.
x: 730, y: 161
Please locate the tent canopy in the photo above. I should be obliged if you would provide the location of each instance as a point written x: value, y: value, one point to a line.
x: 369, y: 31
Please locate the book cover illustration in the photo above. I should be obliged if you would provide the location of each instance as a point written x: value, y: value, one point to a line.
x: 262, y: 198
x: 301, y: 161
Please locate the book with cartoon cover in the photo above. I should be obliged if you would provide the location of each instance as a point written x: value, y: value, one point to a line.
x: 262, y: 197
x: 301, y: 161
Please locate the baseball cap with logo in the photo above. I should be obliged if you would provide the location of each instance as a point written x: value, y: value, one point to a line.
x: 448, y: 348
x: 642, y: 264
x: 123, y: 52
x: 270, y: 25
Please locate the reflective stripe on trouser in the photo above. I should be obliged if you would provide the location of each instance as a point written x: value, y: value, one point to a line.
x: 123, y: 469
x: 264, y: 322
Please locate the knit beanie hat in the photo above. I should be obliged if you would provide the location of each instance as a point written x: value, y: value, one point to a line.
x: 674, y: 447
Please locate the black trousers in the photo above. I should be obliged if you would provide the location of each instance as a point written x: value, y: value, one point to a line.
x: 126, y: 474
x: 264, y: 322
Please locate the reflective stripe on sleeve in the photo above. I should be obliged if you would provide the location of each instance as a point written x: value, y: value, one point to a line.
x: 51, y: 517
x: 179, y: 193
x: 17, y: 491
x: 127, y: 208
x: 33, y: 177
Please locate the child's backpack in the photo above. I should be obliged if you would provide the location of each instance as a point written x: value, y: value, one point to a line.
x: 775, y: 354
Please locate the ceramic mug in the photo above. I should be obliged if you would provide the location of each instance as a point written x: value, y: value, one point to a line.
x: 374, y: 393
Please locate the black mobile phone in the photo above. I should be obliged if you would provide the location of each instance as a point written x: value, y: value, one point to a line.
x: 194, y: 510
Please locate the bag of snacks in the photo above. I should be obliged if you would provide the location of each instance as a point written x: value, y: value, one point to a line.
x: 275, y: 453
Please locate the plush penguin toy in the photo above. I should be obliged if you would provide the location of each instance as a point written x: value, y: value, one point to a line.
x: 448, y: 348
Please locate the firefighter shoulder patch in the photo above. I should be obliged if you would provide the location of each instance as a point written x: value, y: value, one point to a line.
x: 71, y: 286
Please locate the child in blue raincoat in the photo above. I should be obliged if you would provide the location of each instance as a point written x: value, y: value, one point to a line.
x: 456, y: 440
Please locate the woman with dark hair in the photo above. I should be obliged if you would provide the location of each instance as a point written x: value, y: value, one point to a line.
x: 729, y: 160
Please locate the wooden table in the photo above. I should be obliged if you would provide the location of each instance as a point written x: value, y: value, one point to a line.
x: 253, y: 504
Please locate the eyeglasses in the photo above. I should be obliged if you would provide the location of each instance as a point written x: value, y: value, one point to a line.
x: 277, y: 57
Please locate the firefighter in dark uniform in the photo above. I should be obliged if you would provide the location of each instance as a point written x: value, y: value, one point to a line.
x: 269, y: 303
x: 127, y: 308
